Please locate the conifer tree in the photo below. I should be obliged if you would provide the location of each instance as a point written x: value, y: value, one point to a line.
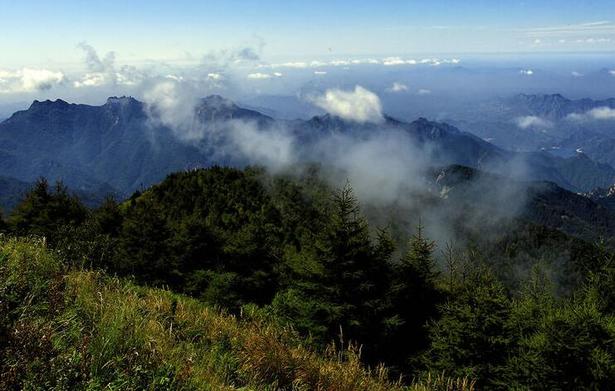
x: 415, y: 297
x: 469, y: 338
x: 43, y: 211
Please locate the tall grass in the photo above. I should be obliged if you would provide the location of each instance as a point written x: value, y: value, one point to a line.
x: 85, y: 330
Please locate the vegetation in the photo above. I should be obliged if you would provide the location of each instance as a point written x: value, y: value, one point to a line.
x: 225, y: 278
x: 70, y: 329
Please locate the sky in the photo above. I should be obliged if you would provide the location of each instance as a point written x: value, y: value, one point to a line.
x: 45, y: 33
x: 86, y: 51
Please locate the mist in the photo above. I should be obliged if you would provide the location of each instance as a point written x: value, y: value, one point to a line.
x: 387, y: 169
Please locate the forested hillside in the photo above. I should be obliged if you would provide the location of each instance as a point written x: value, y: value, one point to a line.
x: 296, y: 265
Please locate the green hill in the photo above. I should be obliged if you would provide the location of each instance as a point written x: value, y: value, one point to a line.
x: 68, y: 329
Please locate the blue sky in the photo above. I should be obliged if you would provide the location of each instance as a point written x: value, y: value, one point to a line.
x: 46, y: 33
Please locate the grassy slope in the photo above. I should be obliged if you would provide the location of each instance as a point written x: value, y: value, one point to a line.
x: 63, y: 329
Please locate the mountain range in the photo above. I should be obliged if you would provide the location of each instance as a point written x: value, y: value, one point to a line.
x: 549, y: 122
x: 117, y: 148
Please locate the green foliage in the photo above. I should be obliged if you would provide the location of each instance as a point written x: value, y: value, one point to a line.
x: 340, y: 280
x: 526, y: 307
x: 43, y: 211
x: 470, y: 338
x: 97, y: 332
x: 414, y: 299
x: 567, y: 345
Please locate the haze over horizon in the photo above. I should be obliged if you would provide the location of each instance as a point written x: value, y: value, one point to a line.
x: 243, y: 49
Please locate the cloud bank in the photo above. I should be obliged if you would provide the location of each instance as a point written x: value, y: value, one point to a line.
x: 103, y: 71
x: 398, y: 87
x: 29, y: 80
x: 358, y: 105
x: 532, y: 121
x: 597, y: 114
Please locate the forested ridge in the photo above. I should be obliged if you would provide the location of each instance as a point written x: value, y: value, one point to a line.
x: 527, y: 307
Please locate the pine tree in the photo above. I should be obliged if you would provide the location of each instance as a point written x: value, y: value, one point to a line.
x: 415, y: 297
x: 107, y: 218
x: 354, y: 276
x: 341, y: 279
x: 144, y: 248
x: 44, y: 212
x: 469, y: 338
x: 3, y: 225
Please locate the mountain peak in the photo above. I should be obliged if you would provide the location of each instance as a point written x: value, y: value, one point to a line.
x: 122, y: 100
x: 218, y: 102
x: 49, y: 103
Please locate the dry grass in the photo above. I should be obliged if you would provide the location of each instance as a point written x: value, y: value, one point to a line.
x: 107, y: 333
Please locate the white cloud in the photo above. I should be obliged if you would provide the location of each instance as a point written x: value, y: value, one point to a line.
x: 298, y: 64
x: 91, y: 80
x: 320, y: 73
x: 172, y: 103
x: 398, y: 87
x: 577, y: 74
x: 593, y: 40
x: 259, y: 76
x: 423, y: 91
x: 532, y: 121
x: 392, y: 61
x: 214, y: 76
x: 263, y: 76
x: 346, y: 62
x: 29, y: 80
x: 337, y: 63
x: 40, y: 79
x: 360, y: 105
x: 272, y: 147
x: 612, y: 72
x: 103, y: 71
x: 599, y: 27
x: 602, y: 113
x: 526, y: 72
x: 598, y: 114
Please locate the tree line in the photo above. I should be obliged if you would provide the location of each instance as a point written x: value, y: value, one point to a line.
x: 305, y: 255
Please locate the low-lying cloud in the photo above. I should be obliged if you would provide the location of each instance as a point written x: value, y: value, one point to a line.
x: 264, y: 76
x: 597, y: 114
x: 398, y: 87
x: 532, y: 121
x: 172, y: 103
x: 358, y: 105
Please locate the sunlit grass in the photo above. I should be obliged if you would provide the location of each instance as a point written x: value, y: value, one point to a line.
x: 90, y: 330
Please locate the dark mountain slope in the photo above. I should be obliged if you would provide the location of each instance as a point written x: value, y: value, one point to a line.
x: 91, y: 145
x: 119, y: 148
x: 544, y: 203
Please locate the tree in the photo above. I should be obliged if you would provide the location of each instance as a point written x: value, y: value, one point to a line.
x: 340, y: 280
x: 469, y: 338
x: 43, y: 211
x: 415, y: 297
x: 571, y: 346
x: 144, y: 251
x: 107, y: 218
x: 3, y: 225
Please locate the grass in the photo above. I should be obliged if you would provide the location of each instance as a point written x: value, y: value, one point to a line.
x: 80, y: 329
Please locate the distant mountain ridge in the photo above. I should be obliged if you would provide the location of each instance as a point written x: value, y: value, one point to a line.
x: 587, y: 216
x: 555, y: 106
x: 116, y: 147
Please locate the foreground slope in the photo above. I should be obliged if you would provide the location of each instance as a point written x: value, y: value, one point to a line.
x: 80, y: 329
